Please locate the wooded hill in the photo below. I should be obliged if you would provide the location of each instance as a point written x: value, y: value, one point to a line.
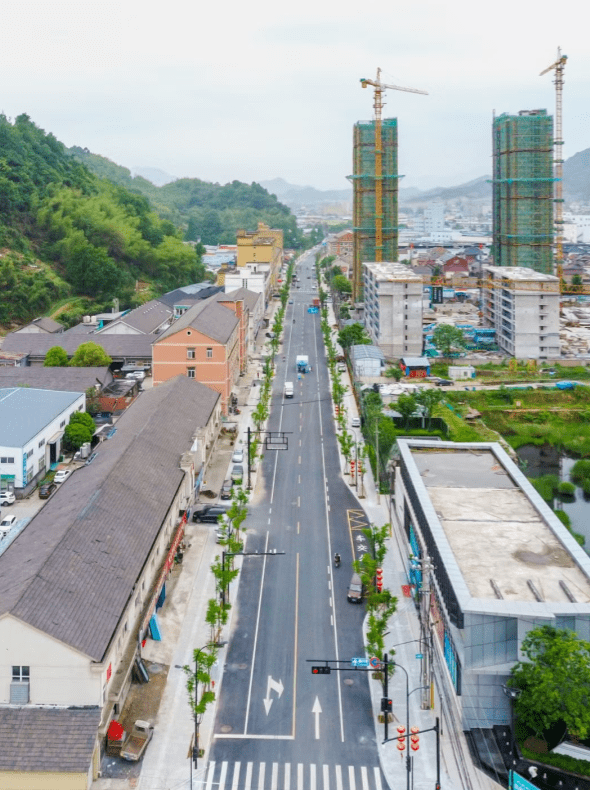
x: 76, y: 230
x: 211, y: 212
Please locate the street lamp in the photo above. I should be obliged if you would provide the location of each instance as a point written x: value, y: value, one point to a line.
x: 408, y: 764
x: 513, y: 693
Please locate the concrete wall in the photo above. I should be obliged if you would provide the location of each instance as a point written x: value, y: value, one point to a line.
x: 42, y: 780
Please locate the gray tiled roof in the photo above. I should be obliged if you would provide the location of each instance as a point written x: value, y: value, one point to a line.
x: 57, y: 740
x: 145, y: 319
x: 71, y: 571
x: 189, y: 294
x: 46, y: 324
x: 250, y: 297
x: 116, y: 346
x: 24, y: 412
x: 61, y: 379
x: 208, y: 317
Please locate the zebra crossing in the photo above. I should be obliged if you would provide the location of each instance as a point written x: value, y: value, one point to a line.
x: 291, y: 776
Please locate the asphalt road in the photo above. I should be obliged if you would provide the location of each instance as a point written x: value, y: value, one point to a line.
x: 279, y: 726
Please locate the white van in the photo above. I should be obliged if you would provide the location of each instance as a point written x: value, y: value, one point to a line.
x: 288, y: 389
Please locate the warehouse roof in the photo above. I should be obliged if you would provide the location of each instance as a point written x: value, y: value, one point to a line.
x: 116, y: 346
x: 56, y: 740
x: 25, y: 412
x: 62, y: 379
x: 71, y: 571
x: 498, y: 539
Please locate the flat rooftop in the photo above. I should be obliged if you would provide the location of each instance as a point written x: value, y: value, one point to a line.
x: 392, y: 272
x: 503, y: 546
x: 520, y: 273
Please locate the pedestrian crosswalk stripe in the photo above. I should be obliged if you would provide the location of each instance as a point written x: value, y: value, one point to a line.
x: 226, y: 775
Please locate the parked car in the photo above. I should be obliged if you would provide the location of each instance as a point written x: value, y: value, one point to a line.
x: 444, y: 383
x: 226, y: 489
x: 355, y: 589
x: 237, y: 473
x: 7, y: 524
x: 61, y: 475
x: 290, y: 301
x: 7, y: 498
x: 139, y: 375
x: 238, y: 456
x: 355, y: 422
x: 341, y: 368
x: 222, y: 534
x: 46, y: 490
x: 210, y: 513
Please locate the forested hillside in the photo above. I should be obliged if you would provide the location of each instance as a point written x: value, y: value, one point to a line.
x: 211, y: 212
x: 65, y: 233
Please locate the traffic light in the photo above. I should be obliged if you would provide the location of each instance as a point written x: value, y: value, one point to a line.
x: 321, y: 670
x: 385, y: 705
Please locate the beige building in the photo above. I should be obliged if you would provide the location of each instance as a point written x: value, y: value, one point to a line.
x: 523, y: 307
x: 393, y: 308
x: 263, y: 245
x: 82, y: 582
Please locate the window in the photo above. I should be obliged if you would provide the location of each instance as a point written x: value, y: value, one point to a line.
x: 190, y: 353
x: 190, y: 372
x: 209, y: 353
x: 62, y: 424
x: 41, y: 443
x: 19, y: 688
x: 29, y: 454
x: 7, y: 460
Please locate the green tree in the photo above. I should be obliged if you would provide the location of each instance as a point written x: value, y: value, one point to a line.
x: 394, y: 373
x: 577, y: 279
x: 428, y: 399
x: 354, y: 335
x: 82, y: 418
x: 90, y: 355
x: 341, y: 284
x: 406, y: 406
x: 75, y: 435
x: 554, y: 681
x: 447, y: 338
x: 56, y: 357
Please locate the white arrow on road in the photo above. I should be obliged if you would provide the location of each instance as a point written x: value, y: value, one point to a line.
x: 316, y: 710
x: 274, y: 686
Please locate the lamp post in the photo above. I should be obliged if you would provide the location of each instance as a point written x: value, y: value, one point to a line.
x: 513, y: 693
x: 408, y: 764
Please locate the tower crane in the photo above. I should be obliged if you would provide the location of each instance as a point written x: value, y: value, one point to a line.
x: 558, y: 67
x: 379, y: 88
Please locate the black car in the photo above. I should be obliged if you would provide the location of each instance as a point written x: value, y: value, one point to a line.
x: 210, y: 513
x: 46, y: 490
x: 444, y: 383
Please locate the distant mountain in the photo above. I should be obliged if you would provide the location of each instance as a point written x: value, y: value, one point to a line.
x: 576, y: 176
x: 157, y: 177
x: 478, y: 189
x: 296, y: 196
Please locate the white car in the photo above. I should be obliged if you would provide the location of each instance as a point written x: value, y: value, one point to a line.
x: 138, y: 375
x: 238, y: 457
x: 7, y: 524
x: 61, y: 475
x: 355, y: 422
x: 7, y: 498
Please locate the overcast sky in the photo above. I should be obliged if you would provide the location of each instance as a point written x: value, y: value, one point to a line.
x: 257, y: 90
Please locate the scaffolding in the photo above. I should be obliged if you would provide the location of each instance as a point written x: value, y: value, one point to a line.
x: 368, y: 186
x: 522, y: 190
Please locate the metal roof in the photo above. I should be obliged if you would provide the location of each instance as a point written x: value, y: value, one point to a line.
x: 61, y: 379
x: 366, y: 352
x: 72, y: 569
x: 116, y: 346
x: 25, y: 412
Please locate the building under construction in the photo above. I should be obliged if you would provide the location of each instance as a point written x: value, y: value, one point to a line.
x: 375, y: 183
x: 523, y: 181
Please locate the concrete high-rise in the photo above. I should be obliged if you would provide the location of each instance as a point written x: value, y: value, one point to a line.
x: 375, y: 181
x: 523, y: 227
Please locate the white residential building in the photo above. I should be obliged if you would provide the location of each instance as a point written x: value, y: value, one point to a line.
x: 32, y: 423
x: 434, y: 218
x: 523, y: 307
x: 393, y: 308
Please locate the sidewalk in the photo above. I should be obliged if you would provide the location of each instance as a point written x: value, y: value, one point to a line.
x: 403, y: 645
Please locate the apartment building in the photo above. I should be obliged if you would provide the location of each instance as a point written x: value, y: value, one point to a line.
x: 523, y: 307
x: 393, y: 308
x: 263, y: 245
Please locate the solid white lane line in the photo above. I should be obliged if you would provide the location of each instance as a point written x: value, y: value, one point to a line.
x: 287, y: 785
x: 364, y: 777
x: 274, y: 779
x: 351, y: 779
x: 339, y: 785
x: 300, y: 776
x: 248, y: 778
x: 261, y: 773
x: 236, y: 778
x: 222, y: 775
x: 326, y: 772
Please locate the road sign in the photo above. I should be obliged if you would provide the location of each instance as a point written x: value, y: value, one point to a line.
x: 360, y: 662
x: 374, y: 662
x: 419, y: 655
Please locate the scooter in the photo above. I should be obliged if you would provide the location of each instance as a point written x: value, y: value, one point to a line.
x: 337, y: 560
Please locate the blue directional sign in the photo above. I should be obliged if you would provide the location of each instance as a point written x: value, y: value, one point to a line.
x: 360, y: 662
x: 419, y: 655
x: 518, y: 782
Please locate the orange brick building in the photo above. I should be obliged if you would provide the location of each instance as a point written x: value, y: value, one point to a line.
x: 204, y: 344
